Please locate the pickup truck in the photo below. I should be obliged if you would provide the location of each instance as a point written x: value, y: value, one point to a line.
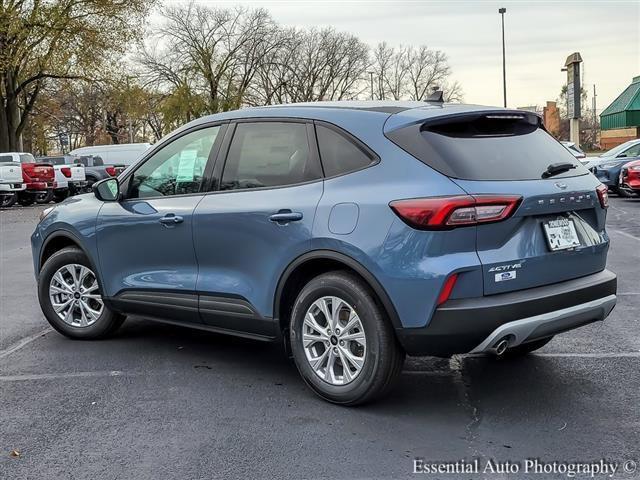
x: 70, y: 177
x: 95, y: 169
x: 38, y: 177
x: 10, y: 183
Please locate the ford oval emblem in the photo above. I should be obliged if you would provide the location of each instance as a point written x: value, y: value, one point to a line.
x: 561, y: 186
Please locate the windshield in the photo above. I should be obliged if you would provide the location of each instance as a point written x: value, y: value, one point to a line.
x: 619, y: 149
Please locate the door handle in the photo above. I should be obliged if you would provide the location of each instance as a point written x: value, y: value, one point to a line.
x: 286, y: 216
x: 171, y: 219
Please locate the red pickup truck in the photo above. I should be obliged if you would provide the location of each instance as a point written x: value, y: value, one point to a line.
x: 38, y: 177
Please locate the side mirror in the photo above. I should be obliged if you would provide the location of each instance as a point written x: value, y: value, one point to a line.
x: 107, y: 190
x: 622, y: 155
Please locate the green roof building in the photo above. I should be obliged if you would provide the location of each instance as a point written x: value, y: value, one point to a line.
x: 620, y: 121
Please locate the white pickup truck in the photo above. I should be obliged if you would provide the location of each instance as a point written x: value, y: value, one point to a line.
x: 10, y: 182
x: 70, y: 177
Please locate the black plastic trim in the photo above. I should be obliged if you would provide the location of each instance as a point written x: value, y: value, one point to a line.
x: 460, y: 325
x: 349, y: 262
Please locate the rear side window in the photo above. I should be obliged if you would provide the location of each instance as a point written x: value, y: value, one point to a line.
x: 269, y: 154
x: 486, y: 147
x: 339, y: 154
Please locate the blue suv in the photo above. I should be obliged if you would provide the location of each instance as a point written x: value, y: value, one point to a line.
x: 355, y: 232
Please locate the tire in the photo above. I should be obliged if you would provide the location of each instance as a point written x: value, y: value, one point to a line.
x: 100, y: 325
x: 526, y: 348
x: 8, y: 200
x: 26, y: 199
x: 60, y: 195
x: 44, y: 197
x: 382, y: 356
x: 90, y: 182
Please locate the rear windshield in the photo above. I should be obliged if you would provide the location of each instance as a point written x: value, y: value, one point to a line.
x: 487, y: 147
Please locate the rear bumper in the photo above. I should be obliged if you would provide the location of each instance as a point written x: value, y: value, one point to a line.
x: 12, y: 187
x: 476, y: 324
x: 40, y: 186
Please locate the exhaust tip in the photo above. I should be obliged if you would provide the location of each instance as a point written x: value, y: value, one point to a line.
x: 501, y: 347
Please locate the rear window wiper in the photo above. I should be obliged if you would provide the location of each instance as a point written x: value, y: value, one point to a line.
x: 556, y: 168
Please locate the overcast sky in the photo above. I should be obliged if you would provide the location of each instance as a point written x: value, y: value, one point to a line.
x: 539, y: 36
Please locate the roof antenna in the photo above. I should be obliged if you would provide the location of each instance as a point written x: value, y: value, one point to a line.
x: 436, y: 95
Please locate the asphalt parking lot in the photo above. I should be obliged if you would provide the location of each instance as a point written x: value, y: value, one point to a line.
x: 158, y: 401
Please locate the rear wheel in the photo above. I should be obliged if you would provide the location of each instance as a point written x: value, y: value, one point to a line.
x: 44, y: 197
x: 8, y: 199
x: 342, y: 342
x: 525, y: 348
x: 71, y: 298
x: 60, y: 195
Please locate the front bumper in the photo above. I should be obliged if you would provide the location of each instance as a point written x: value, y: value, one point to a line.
x: 476, y: 324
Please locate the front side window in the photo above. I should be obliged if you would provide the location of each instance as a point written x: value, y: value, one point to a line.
x: 176, y: 169
x: 269, y: 154
x: 633, y: 151
x: 339, y: 155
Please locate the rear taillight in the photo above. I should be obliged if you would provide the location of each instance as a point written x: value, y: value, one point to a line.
x: 111, y: 171
x: 445, y: 293
x: 603, y: 195
x: 442, y: 213
x: 66, y: 171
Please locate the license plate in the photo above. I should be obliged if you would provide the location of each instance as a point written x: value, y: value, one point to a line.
x: 561, y: 234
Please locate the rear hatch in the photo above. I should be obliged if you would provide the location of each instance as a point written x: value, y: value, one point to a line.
x: 556, y: 232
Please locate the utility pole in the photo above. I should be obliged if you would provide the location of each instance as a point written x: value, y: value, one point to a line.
x: 371, y: 76
x: 595, y: 130
x: 502, y: 11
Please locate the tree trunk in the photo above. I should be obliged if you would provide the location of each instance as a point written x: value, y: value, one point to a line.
x: 10, y: 141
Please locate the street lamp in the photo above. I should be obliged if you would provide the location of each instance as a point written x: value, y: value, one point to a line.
x: 371, y: 76
x: 502, y: 11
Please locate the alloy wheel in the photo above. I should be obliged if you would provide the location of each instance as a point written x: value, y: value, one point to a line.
x: 334, y: 340
x: 75, y: 295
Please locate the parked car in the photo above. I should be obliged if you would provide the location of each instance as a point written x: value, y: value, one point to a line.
x: 10, y: 181
x: 95, y: 169
x: 72, y: 174
x: 122, y: 154
x: 630, y: 178
x: 608, y: 165
x: 576, y: 151
x: 39, y: 178
x: 357, y: 232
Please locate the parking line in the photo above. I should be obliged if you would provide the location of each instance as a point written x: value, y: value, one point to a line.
x: 24, y: 342
x: 55, y: 376
x: 590, y: 355
x: 624, y: 234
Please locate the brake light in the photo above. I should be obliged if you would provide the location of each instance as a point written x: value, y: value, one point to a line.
x: 111, y: 171
x: 445, y: 293
x: 603, y: 195
x: 66, y: 171
x: 442, y: 213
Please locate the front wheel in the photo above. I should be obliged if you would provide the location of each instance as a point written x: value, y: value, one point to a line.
x: 71, y: 298
x: 342, y: 341
x: 623, y: 192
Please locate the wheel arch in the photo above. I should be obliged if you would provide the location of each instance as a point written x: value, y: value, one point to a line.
x: 56, y: 242
x: 314, y: 263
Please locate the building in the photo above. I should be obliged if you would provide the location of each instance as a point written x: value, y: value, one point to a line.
x: 620, y: 121
x: 551, y: 119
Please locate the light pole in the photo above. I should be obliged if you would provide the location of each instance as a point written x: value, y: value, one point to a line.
x: 371, y: 76
x: 502, y: 11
